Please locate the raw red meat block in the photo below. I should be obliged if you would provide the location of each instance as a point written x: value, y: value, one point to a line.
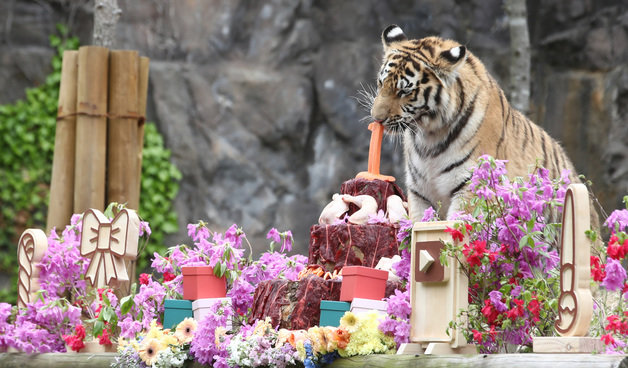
x: 378, y: 189
x: 336, y: 246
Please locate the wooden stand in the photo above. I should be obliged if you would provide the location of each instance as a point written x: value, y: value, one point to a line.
x: 437, y: 293
x: 100, y: 132
x: 575, y: 303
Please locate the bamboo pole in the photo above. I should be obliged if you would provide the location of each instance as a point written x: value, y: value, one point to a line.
x: 61, y: 201
x: 141, y: 108
x: 91, y: 129
x: 122, y: 149
x: 143, y: 94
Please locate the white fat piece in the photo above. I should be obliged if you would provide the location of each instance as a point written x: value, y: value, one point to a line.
x: 334, y: 210
x: 367, y: 205
x: 396, y: 208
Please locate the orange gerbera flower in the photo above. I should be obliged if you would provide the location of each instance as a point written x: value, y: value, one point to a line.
x: 149, y: 350
x: 185, y: 330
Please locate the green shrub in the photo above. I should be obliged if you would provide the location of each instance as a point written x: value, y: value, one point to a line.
x: 27, y: 135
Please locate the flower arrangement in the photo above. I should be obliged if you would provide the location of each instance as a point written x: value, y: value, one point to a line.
x: 157, y: 347
x: 503, y: 242
x: 510, y: 257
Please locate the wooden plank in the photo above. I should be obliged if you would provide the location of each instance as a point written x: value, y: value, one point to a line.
x: 484, y: 361
x: 58, y: 360
x: 61, y: 201
x: 91, y: 129
x: 572, y: 344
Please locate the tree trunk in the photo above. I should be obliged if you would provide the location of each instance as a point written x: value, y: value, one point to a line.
x: 519, y: 55
x: 106, y: 15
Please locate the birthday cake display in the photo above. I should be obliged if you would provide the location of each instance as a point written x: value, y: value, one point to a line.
x: 357, y: 228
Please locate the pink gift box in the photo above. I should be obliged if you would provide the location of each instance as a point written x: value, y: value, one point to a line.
x: 362, y: 282
x: 359, y: 305
x: 201, y: 283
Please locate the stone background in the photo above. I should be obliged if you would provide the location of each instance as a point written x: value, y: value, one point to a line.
x: 257, y: 99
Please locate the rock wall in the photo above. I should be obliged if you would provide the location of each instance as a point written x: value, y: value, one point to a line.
x: 258, y: 100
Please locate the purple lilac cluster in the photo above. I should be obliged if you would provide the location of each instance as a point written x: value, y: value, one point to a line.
x: 397, y: 323
x: 62, y: 267
x: 210, y: 342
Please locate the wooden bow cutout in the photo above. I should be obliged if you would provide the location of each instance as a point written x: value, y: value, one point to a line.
x: 108, y: 244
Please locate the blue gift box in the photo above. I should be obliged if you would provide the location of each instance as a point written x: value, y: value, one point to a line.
x: 176, y: 311
x: 332, y: 312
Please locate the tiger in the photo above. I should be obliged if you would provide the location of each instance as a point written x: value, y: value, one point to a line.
x: 448, y: 110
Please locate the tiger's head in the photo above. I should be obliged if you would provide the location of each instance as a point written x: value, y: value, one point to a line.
x: 414, y: 81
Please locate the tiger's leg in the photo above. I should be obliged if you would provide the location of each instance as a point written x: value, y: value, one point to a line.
x: 417, y: 204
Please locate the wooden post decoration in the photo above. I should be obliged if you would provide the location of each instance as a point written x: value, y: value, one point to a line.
x: 60, y: 206
x: 108, y: 245
x: 575, y: 303
x: 30, y: 250
x: 375, y: 150
x: 91, y: 128
x: 437, y: 294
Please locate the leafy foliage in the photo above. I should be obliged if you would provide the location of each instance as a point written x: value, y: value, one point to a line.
x: 27, y: 135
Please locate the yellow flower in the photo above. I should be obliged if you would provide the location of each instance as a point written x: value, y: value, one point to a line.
x: 149, y: 350
x: 317, y: 338
x: 185, y: 330
x: 220, y: 334
x: 262, y: 327
x: 349, y: 322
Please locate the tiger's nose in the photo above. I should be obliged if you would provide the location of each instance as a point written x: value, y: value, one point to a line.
x: 379, y: 112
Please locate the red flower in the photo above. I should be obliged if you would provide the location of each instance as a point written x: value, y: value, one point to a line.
x: 79, y: 331
x: 168, y: 276
x: 608, y: 339
x: 103, y: 339
x: 616, y: 250
x: 144, y: 278
x: 597, y: 270
x: 534, y: 307
x: 477, y: 336
x: 516, y: 311
x: 75, y: 342
x: 489, y: 311
x: 492, y: 333
x: 456, y: 235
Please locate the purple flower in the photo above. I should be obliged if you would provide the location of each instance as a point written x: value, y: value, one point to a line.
x: 402, y: 268
x: 378, y: 218
x: 617, y: 220
x: 496, y: 299
x: 429, y: 215
x: 274, y: 235
x: 615, y: 275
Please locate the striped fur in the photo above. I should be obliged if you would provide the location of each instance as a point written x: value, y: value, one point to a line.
x: 449, y: 111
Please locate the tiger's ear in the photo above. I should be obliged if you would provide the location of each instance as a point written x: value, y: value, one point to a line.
x: 452, y: 58
x: 392, y: 33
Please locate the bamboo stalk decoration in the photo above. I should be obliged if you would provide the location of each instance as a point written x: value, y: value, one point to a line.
x: 62, y: 181
x: 122, y: 128
x: 142, y: 96
x: 30, y: 250
x: 91, y: 129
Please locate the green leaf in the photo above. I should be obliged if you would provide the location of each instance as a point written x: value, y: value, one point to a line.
x: 126, y: 303
x: 98, y: 327
x: 107, y: 313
